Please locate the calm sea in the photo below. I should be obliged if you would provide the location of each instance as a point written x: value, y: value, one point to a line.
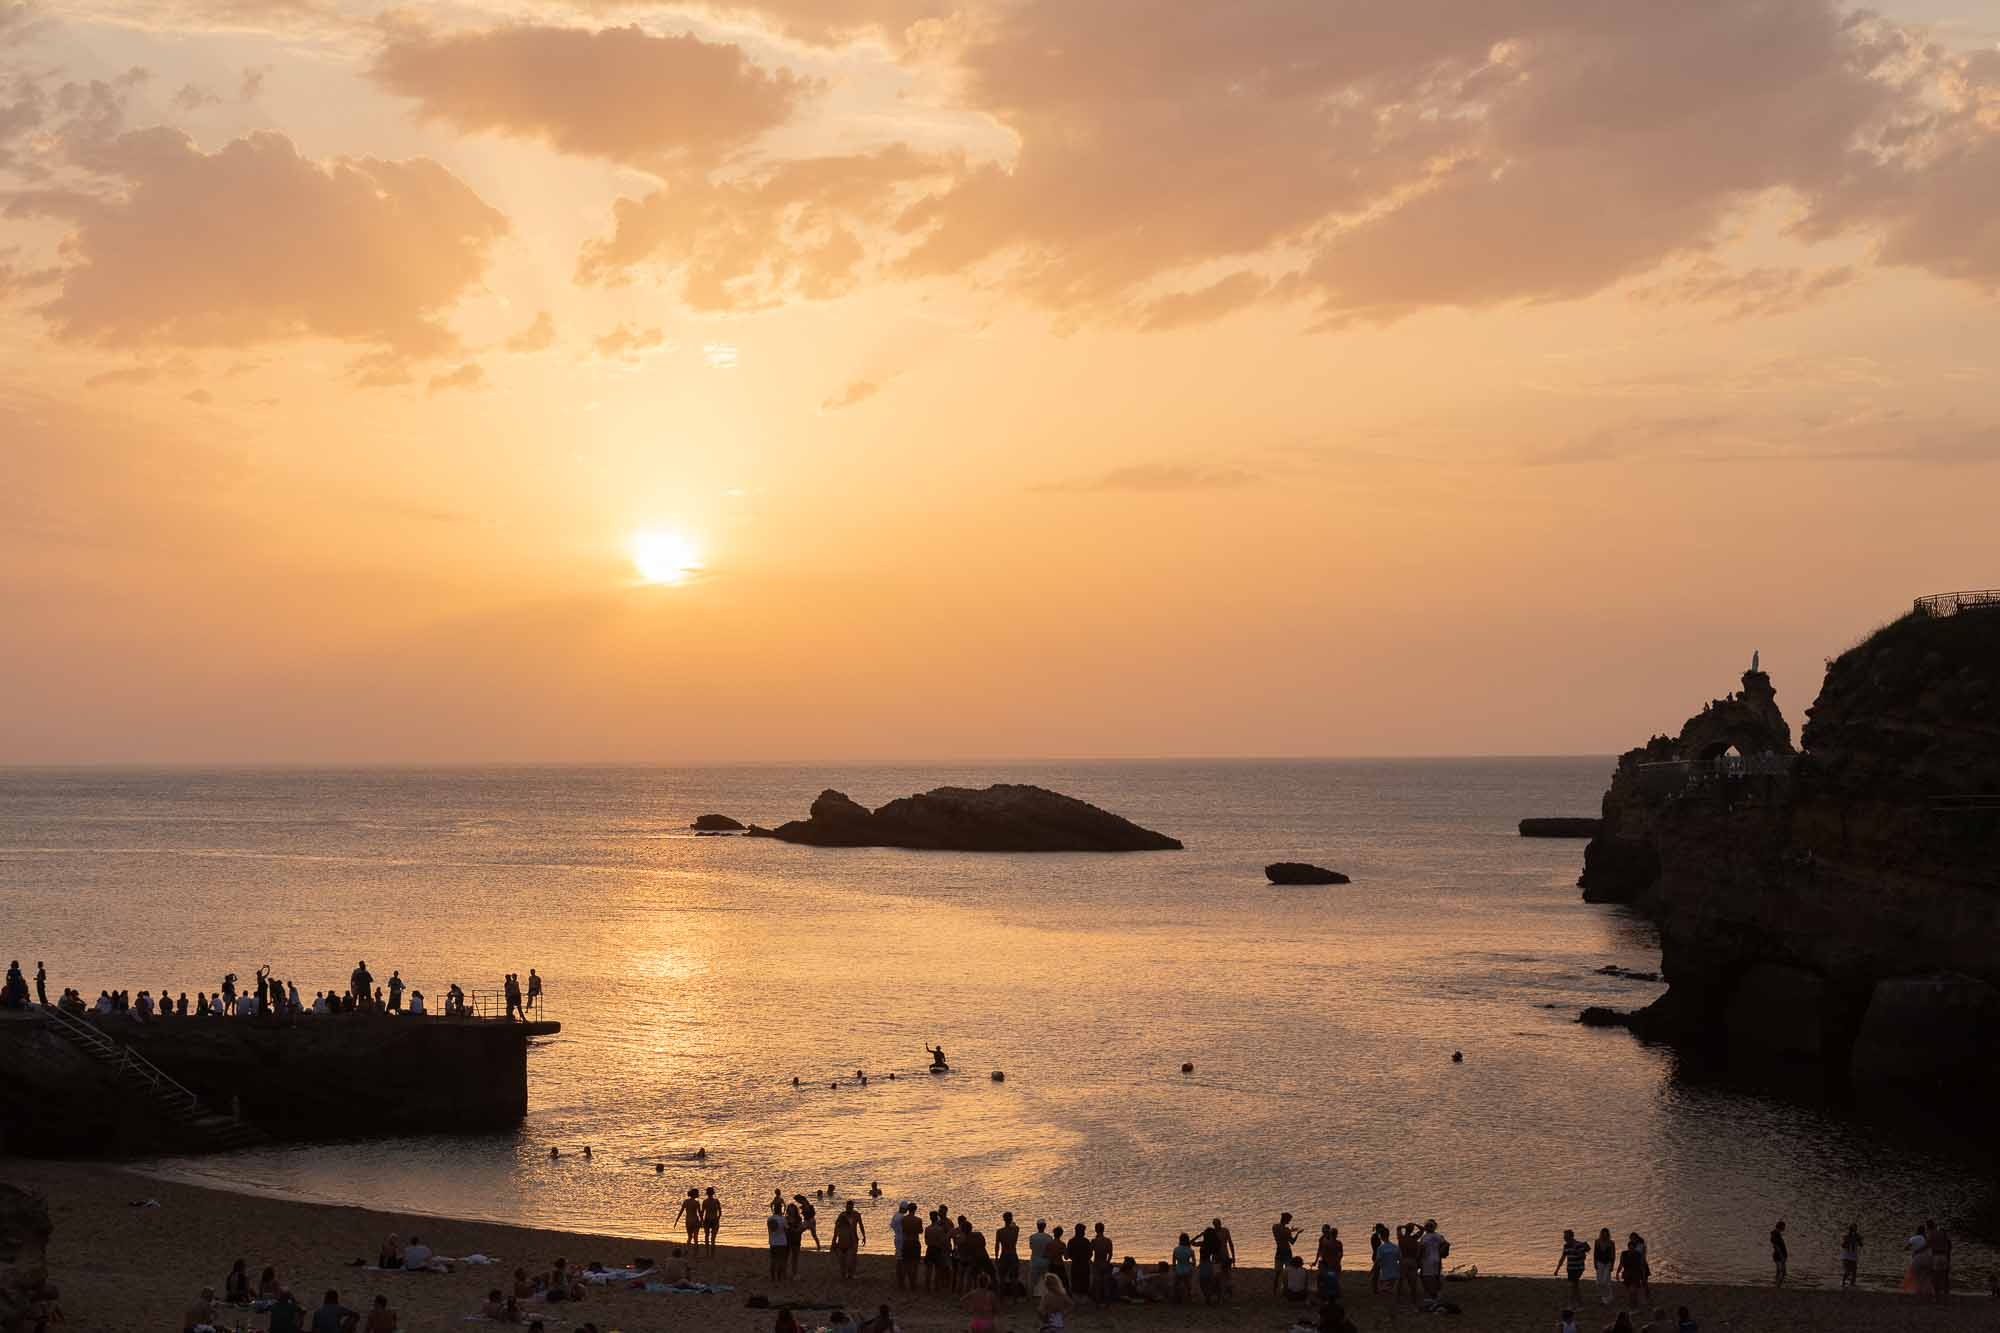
x: 695, y: 977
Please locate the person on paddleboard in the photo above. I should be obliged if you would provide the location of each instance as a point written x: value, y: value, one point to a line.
x: 937, y: 1057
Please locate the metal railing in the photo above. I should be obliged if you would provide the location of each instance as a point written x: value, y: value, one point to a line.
x: 1951, y: 603
x: 124, y: 1058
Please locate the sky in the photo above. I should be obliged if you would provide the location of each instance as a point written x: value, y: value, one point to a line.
x: 818, y: 379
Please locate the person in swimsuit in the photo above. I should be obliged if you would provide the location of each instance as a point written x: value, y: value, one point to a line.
x: 1054, y: 1305
x: 979, y: 1303
x: 1283, y: 1236
x: 690, y: 1212
x: 849, y: 1232
x: 1008, y: 1237
x: 810, y: 1215
x: 711, y: 1218
x: 909, y: 1249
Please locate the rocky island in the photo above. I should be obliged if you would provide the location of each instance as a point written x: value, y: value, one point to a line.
x: 1006, y: 817
x: 1836, y: 907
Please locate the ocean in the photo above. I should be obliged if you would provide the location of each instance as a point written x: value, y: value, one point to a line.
x: 695, y: 978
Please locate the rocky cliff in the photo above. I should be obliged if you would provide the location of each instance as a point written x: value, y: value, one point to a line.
x: 1007, y: 817
x: 1838, y: 908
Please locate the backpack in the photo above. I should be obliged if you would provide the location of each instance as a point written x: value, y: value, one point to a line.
x: 1444, y: 1248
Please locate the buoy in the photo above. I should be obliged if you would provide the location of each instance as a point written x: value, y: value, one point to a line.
x: 1458, y: 1057
x: 999, y: 1077
x: 1188, y: 1068
x: 659, y: 1168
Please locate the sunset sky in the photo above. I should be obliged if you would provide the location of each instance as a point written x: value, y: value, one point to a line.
x: 927, y: 378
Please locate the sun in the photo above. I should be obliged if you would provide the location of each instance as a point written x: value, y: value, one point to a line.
x: 664, y: 555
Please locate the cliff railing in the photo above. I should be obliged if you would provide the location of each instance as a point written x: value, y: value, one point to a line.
x: 1951, y: 603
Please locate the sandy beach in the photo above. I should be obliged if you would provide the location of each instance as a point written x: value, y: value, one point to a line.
x: 123, y: 1268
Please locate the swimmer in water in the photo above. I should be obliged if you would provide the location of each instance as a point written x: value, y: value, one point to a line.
x: 586, y: 1152
x: 659, y: 1168
x: 874, y: 1189
x: 701, y: 1154
x: 795, y: 1080
x: 554, y: 1153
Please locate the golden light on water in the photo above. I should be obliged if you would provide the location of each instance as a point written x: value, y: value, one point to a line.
x: 664, y: 555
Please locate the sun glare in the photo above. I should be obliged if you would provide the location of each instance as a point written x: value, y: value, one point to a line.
x: 662, y: 555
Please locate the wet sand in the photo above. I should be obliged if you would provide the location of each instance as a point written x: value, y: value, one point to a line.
x: 122, y: 1269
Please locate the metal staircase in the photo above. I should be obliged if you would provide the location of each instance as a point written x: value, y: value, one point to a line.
x: 206, y: 1130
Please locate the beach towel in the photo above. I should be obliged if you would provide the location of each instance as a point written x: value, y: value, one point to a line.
x: 689, y: 1288
x: 603, y: 1276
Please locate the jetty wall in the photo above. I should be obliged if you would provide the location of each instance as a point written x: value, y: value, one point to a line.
x: 344, y: 1076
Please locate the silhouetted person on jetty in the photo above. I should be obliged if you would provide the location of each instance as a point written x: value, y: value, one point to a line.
x: 511, y: 988
x: 360, y: 984
x: 229, y: 993
x: 14, y: 992
x: 41, y: 984
x: 534, y: 990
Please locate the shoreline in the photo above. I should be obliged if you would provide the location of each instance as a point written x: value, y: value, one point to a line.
x: 121, y: 1267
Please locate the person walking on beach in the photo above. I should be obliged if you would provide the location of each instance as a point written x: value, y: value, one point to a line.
x: 1940, y: 1259
x: 690, y: 1211
x: 1283, y: 1236
x: 809, y: 1215
x: 1781, y: 1253
x: 1574, y: 1253
x: 711, y: 1218
x: 1604, y: 1255
x: 1225, y: 1259
x: 1850, y: 1255
x: 1635, y: 1272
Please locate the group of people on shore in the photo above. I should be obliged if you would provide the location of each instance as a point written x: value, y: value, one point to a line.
x: 270, y: 998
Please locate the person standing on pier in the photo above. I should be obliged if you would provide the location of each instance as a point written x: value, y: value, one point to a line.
x: 41, y: 984
x: 534, y: 989
x: 395, y: 991
x: 511, y: 987
x: 360, y: 984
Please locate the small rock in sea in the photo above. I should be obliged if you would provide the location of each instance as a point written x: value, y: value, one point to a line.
x: 1298, y: 872
x: 1598, y: 1016
x: 716, y: 824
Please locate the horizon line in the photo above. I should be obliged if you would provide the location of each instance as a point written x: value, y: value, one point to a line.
x: 407, y: 765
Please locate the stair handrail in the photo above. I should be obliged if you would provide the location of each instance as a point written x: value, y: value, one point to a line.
x: 128, y: 1058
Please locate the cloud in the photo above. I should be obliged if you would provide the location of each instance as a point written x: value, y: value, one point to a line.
x: 1224, y: 296
x: 1443, y: 154
x: 859, y: 391
x: 1159, y: 478
x: 1864, y: 437
x: 255, y: 243
x: 193, y: 97
x: 179, y: 367
x: 252, y: 86
x: 1749, y: 292
x: 199, y: 397
x: 626, y: 343
x: 537, y: 337
x: 471, y: 375
x: 801, y: 229
x: 616, y: 93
